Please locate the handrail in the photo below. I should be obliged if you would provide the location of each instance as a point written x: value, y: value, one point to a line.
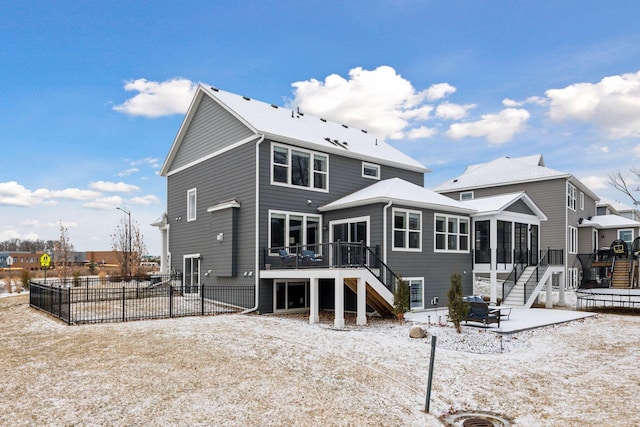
x: 386, y: 276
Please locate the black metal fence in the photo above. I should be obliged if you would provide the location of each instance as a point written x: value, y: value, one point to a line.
x: 97, y: 300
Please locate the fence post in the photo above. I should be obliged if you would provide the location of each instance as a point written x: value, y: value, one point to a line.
x: 170, y: 300
x: 202, y: 300
x: 123, y: 302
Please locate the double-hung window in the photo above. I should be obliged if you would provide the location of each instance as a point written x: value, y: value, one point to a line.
x: 451, y: 233
x: 407, y: 230
x: 191, y: 205
x: 573, y: 240
x: 299, y: 168
x: 571, y: 196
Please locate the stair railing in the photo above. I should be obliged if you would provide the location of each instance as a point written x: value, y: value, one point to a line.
x: 385, y: 275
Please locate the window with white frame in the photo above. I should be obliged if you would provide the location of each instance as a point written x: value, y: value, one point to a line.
x: 191, y: 205
x: 571, y: 196
x: 299, y: 168
x: 294, y: 230
x: 291, y: 295
x: 581, y: 201
x: 369, y: 170
x: 416, y: 292
x: 451, y: 233
x: 407, y: 230
x: 627, y: 236
x: 573, y: 240
x: 466, y: 195
x: 574, y: 278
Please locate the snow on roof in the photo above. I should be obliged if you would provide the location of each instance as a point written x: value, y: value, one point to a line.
x: 502, y: 171
x: 496, y: 204
x: 398, y: 191
x: 609, y: 221
x: 616, y: 205
x: 286, y: 125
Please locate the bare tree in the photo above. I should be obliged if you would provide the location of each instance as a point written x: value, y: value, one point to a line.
x: 62, y: 250
x: 127, y: 242
x: 622, y: 183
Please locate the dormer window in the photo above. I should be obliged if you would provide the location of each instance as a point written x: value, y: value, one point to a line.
x: 371, y: 171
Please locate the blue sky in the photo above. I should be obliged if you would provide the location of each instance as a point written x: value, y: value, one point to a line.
x: 94, y: 92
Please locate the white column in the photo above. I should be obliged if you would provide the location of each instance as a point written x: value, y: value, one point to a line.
x: 549, y: 294
x: 338, y: 321
x: 563, y: 284
x: 314, y: 301
x: 493, y: 244
x: 361, y: 318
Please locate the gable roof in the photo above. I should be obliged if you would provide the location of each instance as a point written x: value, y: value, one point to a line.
x: 399, y: 192
x: 609, y: 221
x: 296, y: 128
x: 507, y: 171
x: 492, y: 205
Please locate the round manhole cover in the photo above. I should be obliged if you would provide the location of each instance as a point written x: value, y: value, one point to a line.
x: 476, y: 419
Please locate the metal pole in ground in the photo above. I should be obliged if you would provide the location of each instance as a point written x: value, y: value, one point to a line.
x: 433, y: 355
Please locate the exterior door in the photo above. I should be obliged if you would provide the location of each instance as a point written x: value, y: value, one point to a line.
x: 354, y: 230
x: 191, y: 277
x: 521, y: 239
x: 535, y: 250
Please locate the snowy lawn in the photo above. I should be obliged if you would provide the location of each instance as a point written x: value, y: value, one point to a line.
x: 254, y: 370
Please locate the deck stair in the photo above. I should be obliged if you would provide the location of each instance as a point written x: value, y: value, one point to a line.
x: 516, y: 296
x: 620, y: 277
x: 378, y: 299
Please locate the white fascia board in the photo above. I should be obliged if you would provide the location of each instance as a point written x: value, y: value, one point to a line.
x: 398, y: 202
x: 224, y: 205
x: 501, y: 184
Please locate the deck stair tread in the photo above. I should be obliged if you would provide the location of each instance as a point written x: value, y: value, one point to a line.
x: 374, y: 299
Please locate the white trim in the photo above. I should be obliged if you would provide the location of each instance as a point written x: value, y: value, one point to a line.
x: 573, y: 240
x: 462, y: 193
x: 407, y: 230
x: 312, y: 171
x: 366, y: 219
x: 224, y: 205
x: 184, y: 268
x: 191, y: 217
x: 307, y: 295
x: 288, y: 215
x: 371, y: 166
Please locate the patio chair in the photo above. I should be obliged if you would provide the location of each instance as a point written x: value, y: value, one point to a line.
x: 309, y: 257
x: 287, y: 259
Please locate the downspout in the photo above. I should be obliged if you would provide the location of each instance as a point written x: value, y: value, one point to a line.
x: 256, y: 267
x: 384, y: 231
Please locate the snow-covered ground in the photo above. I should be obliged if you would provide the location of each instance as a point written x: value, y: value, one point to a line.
x: 268, y: 370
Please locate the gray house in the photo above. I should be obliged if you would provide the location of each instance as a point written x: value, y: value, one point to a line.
x: 562, y: 198
x: 315, y: 214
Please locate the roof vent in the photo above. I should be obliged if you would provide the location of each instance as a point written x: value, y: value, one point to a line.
x: 345, y: 143
x: 363, y: 131
x: 274, y: 106
x: 455, y: 180
x: 323, y: 120
x: 345, y: 126
x: 215, y: 89
x: 246, y: 98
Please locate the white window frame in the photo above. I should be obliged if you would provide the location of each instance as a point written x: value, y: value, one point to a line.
x: 407, y: 231
x: 191, y: 210
x: 574, y: 278
x: 571, y: 196
x: 417, y: 281
x: 466, y: 195
x: 286, y: 296
x: 619, y: 235
x: 305, y: 217
x: 447, y: 233
x: 371, y: 166
x: 312, y: 170
x: 581, y: 201
x: 573, y: 240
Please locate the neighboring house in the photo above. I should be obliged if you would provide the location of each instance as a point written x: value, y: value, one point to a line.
x: 316, y: 214
x: 564, y: 200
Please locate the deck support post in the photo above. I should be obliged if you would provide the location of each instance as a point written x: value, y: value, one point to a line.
x: 563, y: 283
x: 549, y: 294
x: 314, y: 301
x: 361, y: 318
x: 338, y: 321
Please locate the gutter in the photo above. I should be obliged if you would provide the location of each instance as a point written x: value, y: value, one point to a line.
x: 257, y: 228
x: 384, y: 231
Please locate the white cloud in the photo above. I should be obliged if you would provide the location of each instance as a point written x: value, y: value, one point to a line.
x: 595, y: 182
x: 612, y: 104
x: 155, y: 99
x: 72, y: 194
x: 497, y: 128
x: 128, y: 172
x: 145, y: 200
x: 604, y: 149
x: 380, y: 101
x: 104, y: 203
x: 421, y: 132
x: 449, y: 111
x: 439, y: 91
x: 537, y: 100
x: 113, y: 187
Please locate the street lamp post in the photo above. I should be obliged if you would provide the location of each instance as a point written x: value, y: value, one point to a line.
x: 128, y: 237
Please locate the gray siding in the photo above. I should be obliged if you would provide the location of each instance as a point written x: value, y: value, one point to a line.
x: 225, y: 241
x: 211, y: 129
x: 520, y: 207
x: 228, y: 176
